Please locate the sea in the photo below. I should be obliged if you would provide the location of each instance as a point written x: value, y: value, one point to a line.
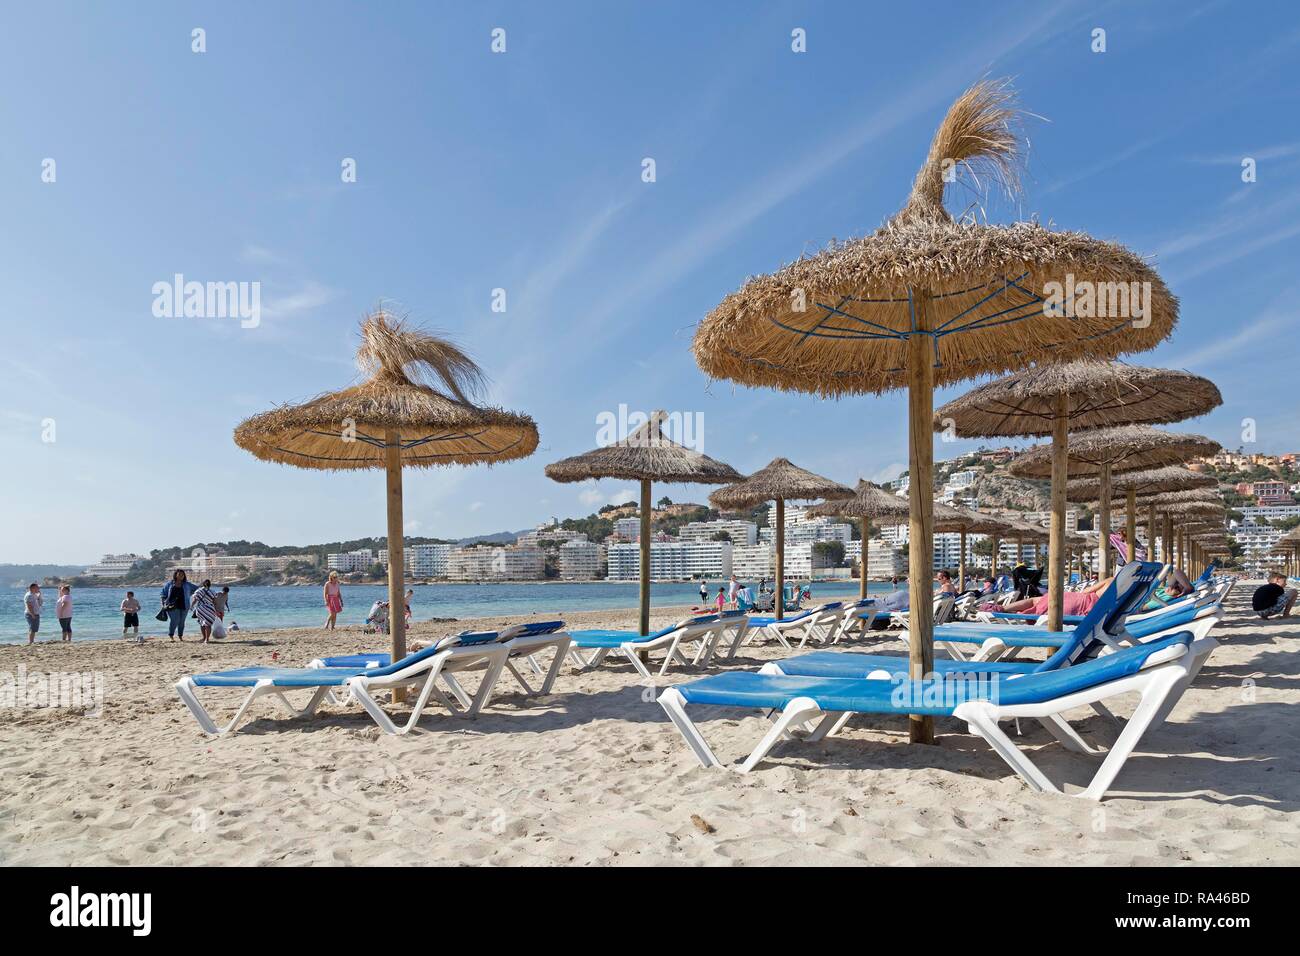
x: 95, y: 614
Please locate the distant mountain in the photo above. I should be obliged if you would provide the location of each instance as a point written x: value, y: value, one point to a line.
x: 21, y: 575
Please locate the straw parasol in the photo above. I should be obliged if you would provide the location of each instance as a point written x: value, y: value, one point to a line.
x: 646, y: 455
x: 928, y: 300
x: 868, y: 502
x: 779, y: 481
x: 1103, y: 451
x: 414, y: 408
x: 948, y: 518
x: 1052, y: 399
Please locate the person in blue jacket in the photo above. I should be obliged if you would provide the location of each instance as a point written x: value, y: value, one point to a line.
x: 176, y: 602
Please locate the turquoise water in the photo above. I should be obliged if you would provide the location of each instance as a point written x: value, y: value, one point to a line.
x: 96, y: 616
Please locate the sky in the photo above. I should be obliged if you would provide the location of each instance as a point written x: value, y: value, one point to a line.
x: 524, y: 171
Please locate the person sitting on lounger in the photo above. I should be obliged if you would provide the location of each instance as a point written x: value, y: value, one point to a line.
x: 946, y: 587
x: 1274, y: 597
x: 1072, y: 602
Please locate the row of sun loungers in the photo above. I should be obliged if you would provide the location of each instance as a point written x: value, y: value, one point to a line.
x: 1117, y: 648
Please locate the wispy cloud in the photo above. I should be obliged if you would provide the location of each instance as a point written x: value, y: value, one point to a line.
x: 1278, y: 318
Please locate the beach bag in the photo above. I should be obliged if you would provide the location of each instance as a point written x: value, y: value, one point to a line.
x: 218, y: 629
x: 161, y: 615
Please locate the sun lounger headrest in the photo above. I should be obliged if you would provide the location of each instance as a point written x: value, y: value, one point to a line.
x: 467, y: 639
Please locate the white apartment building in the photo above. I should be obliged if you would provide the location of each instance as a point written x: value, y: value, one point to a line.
x: 671, y: 560
x: 430, y: 560
x: 1071, y: 519
x: 549, y: 535
x: 800, y: 528
x: 1257, y: 544
x: 753, y: 562
x: 883, y: 559
x: 629, y: 529
x: 408, y: 560
x: 220, y: 567
x: 1268, y: 513
x: 510, y: 563
x: 350, y: 561
x: 579, y: 560
x: 742, y: 533
x: 112, y: 566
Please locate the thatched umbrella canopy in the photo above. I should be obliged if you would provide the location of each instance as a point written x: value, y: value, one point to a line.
x: 1053, y: 400
x: 869, y: 502
x: 1143, y: 483
x: 779, y: 481
x: 1103, y: 451
x: 646, y: 455
x: 415, y: 408
x: 926, y: 299
x: 963, y: 521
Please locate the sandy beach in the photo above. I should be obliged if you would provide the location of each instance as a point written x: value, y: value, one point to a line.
x: 595, y: 774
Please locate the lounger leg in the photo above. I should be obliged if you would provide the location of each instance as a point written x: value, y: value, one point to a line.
x: 561, y: 650
x: 485, y: 688
x: 185, y: 688
x: 741, y: 636
x: 798, y: 711
x: 459, y: 692
x: 829, y: 726
x: 982, y: 723
x: 519, y: 677
x: 674, y: 706
x: 635, y: 659
x: 1067, y: 735
x: 1154, y: 696
x: 1199, y: 651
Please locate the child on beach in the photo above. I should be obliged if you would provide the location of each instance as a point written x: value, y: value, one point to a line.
x: 33, y: 601
x: 409, y: 596
x: 722, y: 598
x: 131, y: 616
x: 63, y: 609
x: 221, y: 601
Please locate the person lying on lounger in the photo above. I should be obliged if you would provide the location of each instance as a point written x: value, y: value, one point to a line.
x: 1072, y: 602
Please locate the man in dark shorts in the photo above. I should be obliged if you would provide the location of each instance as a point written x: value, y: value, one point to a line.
x: 1274, y: 597
x: 131, y: 616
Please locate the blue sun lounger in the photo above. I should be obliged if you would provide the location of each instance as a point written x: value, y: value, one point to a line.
x: 1152, y: 670
x: 706, y: 630
x: 521, y: 640
x: 459, y: 652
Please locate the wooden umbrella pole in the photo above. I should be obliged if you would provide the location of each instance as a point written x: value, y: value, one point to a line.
x: 993, y: 559
x: 1151, y: 531
x: 1169, y: 540
x: 1131, y: 528
x: 1056, y: 547
x: 1103, y: 533
x: 780, y: 558
x: 645, y: 556
x: 920, y: 552
x: 396, y: 566
x: 862, y: 559
x: 961, y: 564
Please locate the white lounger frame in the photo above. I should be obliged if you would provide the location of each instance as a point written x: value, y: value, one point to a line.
x: 821, y: 622
x: 1165, y: 673
x: 492, y: 656
x: 705, y: 633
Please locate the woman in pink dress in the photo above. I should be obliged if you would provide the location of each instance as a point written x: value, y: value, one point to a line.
x: 333, y: 599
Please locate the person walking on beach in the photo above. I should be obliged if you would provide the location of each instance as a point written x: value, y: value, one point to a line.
x: 63, y: 609
x: 205, y: 609
x: 176, y: 602
x: 333, y: 599
x: 722, y: 598
x: 221, y: 601
x: 131, y: 616
x: 704, y: 592
x: 410, y: 595
x: 732, y: 588
x: 33, y: 601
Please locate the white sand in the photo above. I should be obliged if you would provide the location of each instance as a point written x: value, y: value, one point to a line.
x: 596, y: 774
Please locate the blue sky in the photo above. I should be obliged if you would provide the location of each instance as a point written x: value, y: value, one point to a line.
x: 522, y: 171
